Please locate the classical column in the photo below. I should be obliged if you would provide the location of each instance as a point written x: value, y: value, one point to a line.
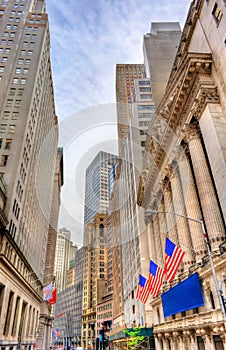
x: 182, y: 223
x: 156, y: 239
x: 150, y: 236
x: 189, y: 339
x: 170, y: 218
x: 209, y: 204
x: 162, y: 226
x: 192, y: 206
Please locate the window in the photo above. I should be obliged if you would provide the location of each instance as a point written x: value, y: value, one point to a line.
x: 143, y: 132
x: 23, y: 81
x: 17, y: 103
x: 18, y: 70
x: 12, y: 129
x: 144, y: 89
x: 4, y: 59
x: 145, y: 95
x: 30, y: 52
x: 144, y: 82
x: 10, y: 42
x: 9, y: 103
x: 101, y: 275
x: 8, y: 143
x: 145, y: 107
x: 2, y: 69
x: 3, y: 41
x: 12, y: 34
x: 20, y: 92
x: 6, y: 115
x: 25, y: 71
x: 3, y: 127
x: 4, y: 160
x: 15, y: 80
x: 27, y: 61
x: 7, y: 50
x: 5, y: 33
x: 14, y: 115
x: 20, y: 61
x: 1, y: 143
x: 217, y: 13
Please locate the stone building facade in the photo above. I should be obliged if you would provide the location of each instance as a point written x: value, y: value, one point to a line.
x: 183, y: 173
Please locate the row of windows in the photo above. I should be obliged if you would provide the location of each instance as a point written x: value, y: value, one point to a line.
x: 10, y: 115
x: 145, y: 107
x: 143, y: 96
x: 4, y: 128
x: 145, y: 115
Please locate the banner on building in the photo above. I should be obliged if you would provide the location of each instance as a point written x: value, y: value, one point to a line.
x: 184, y: 296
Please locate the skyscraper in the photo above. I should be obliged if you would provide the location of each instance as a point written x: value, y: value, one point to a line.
x: 97, y: 193
x: 97, y: 185
x: 125, y: 75
x: 64, y: 252
x: 28, y: 164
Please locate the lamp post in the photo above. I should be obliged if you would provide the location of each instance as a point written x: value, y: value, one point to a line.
x: 218, y: 289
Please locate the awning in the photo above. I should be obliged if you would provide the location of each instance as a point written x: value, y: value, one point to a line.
x: 145, y: 332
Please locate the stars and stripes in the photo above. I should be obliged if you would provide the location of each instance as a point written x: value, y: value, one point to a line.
x: 173, y: 258
x: 47, y: 292
x: 143, y: 289
x: 156, y: 274
x: 152, y: 284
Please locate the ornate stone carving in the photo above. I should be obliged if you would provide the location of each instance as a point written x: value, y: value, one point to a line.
x: 191, y: 131
x: 206, y: 95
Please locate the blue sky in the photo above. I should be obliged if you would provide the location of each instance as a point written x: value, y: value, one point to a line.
x: 88, y: 39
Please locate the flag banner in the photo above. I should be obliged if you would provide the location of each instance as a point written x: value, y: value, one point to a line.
x: 173, y: 258
x: 184, y: 296
x: 47, y: 292
x: 54, y: 297
x: 143, y: 289
x: 59, y: 315
x: 156, y: 274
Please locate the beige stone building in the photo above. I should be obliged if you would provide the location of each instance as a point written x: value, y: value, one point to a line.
x: 31, y: 170
x: 184, y: 173
x: 94, y: 277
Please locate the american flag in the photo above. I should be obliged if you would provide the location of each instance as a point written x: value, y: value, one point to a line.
x: 143, y: 289
x: 47, y: 292
x: 173, y: 258
x: 156, y: 274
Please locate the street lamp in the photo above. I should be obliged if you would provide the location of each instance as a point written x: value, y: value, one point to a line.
x: 218, y: 290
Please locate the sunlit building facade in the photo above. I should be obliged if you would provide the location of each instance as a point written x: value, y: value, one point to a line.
x: 28, y: 154
x: 187, y: 147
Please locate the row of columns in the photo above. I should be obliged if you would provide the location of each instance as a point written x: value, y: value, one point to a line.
x: 187, y: 189
x: 22, y: 313
x: 189, y: 339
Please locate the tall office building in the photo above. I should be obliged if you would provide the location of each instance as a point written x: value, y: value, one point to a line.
x: 97, y: 185
x: 125, y: 75
x: 159, y: 48
x: 65, y: 250
x: 28, y: 156
x: 141, y: 95
x: 97, y: 193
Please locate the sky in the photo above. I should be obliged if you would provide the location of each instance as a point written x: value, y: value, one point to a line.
x: 88, y: 38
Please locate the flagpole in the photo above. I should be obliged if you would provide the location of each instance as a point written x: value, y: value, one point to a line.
x: 219, y: 292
